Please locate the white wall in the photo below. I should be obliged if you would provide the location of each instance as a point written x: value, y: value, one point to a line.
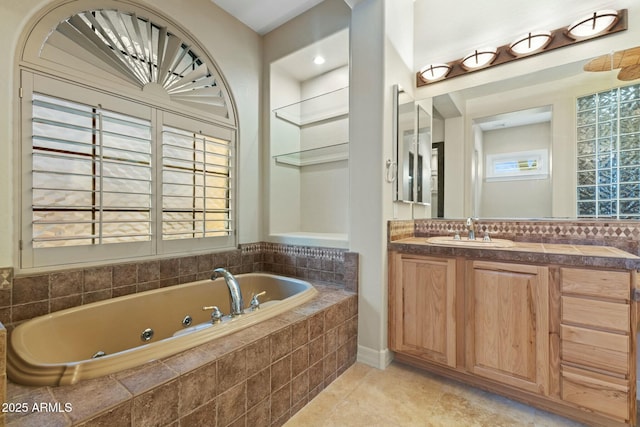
x: 375, y: 67
x: 336, y: 130
x: 236, y: 50
x: 324, y: 196
x: 477, y: 170
x: 329, y: 81
x: 365, y: 178
x: 438, y: 129
x: 284, y: 180
x: 454, y: 177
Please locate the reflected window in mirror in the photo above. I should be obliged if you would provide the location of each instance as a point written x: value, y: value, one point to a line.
x: 608, y: 154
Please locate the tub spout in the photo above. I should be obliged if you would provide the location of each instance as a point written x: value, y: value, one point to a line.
x: 237, y: 304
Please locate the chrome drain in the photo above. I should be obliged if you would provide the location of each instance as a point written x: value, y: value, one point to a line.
x: 147, y: 334
x: 187, y: 321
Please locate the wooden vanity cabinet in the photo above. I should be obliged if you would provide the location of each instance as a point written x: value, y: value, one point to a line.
x: 561, y: 338
x: 507, y: 324
x: 422, y: 310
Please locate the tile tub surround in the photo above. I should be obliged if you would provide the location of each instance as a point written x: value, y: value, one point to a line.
x: 258, y: 376
x: 32, y: 295
x: 621, y: 234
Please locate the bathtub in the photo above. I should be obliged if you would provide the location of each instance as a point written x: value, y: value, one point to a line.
x: 109, y: 336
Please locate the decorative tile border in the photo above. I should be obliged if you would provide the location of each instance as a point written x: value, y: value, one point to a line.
x: 578, y: 229
x: 294, y: 250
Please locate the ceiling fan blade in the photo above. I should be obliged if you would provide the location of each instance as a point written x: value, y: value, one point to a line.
x: 629, y: 73
x: 601, y: 63
x: 630, y: 57
x: 620, y: 59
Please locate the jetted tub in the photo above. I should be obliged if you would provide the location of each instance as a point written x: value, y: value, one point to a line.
x: 108, y: 336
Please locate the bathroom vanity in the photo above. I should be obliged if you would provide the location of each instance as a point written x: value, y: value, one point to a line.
x: 551, y: 325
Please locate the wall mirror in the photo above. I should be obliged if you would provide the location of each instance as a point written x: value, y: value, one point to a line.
x: 517, y: 120
x: 405, y: 147
x: 412, y: 151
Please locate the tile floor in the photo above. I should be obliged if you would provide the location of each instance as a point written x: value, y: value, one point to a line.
x: 403, y: 396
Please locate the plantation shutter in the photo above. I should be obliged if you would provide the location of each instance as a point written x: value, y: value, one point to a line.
x: 197, y: 180
x: 91, y: 175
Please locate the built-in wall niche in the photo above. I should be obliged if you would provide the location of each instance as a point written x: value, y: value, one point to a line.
x: 309, y: 150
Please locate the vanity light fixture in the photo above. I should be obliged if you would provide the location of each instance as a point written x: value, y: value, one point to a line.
x: 435, y: 72
x: 530, y: 43
x: 597, y: 24
x: 318, y: 60
x: 593, y: 24
x: 479, y: 58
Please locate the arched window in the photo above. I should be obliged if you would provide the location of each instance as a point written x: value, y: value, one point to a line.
x: 128, y: 139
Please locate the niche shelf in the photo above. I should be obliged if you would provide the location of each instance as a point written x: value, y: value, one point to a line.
x: 309, y: 204
x: 314, y: 156
x: 328, y: 106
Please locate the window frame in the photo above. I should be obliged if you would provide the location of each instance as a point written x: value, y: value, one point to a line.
x: 538, y: 161
x: 42, y: 258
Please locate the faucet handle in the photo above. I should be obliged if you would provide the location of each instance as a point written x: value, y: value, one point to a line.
x: 255, y: 303
x: 487, y: 237
x: 456, y: 234
x: 216, y: 314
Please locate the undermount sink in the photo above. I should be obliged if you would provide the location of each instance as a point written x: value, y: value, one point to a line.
x: 466, y: 243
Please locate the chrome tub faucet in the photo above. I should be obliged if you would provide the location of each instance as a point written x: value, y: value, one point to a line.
x: 237, y: 304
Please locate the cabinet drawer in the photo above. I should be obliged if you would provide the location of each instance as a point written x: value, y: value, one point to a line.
x: 597, y: 283
x: 597, y: 392
x: 596, y: 349
x: 599, y: 314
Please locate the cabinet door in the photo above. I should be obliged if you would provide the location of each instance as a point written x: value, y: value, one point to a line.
x: 507, y: 324
x: 422, y: 308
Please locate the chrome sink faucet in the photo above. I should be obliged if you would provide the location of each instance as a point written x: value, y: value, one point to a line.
x: 472, y: 225
x: 237, y: 304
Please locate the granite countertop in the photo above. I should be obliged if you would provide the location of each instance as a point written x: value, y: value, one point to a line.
x: 538, y: 253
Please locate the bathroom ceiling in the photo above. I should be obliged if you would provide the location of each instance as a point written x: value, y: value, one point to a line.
x: 442, y: 32
x: 263, y: 16
x: 300, y: 65
x: 515, y: 118
x: 449, y: 30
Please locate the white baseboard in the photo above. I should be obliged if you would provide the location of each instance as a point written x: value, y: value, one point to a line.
x: 376, y: 358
